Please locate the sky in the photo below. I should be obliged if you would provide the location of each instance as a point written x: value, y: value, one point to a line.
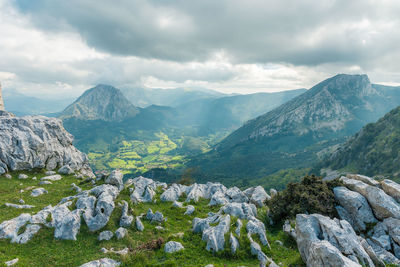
x: 54, y: 48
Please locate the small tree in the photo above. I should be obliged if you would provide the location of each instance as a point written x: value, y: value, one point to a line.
x: 311, y: 195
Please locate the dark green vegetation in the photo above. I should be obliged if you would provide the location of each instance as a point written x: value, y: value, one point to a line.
x: 299, y: 132
x: 44, y: 250
x: 373, y: 151
x: 311, y: 195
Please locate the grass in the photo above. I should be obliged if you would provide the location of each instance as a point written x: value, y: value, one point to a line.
x: 44, y: 250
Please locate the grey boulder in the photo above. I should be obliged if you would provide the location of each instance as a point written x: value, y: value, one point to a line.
x: 38, y: 191
x: 356, y: 208
x: 105, y: 235
x: 104, y: 262
x: 116, y: 178
x: 126, y: 220
x: 121, y: 233
x: 172, y: 247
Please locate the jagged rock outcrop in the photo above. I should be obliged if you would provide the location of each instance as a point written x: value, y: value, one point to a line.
x: 383, y: 205
x: 354, y: 208
x: 145, y: 189
x: 29, y: 142
x: 325, y: 242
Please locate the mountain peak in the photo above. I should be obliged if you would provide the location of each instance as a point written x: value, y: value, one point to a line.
x: 102, y: 102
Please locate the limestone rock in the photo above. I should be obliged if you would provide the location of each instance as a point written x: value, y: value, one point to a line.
x: 45, y: 183
x: 22, y: 176
x: 287, y: 229
x: 240, y: 210
x: 218, y: 198
x: 9, y: 229
x: 330, y: 242
x: 98, y: 208
x: 190, y: 209
x: 257, y: 227
x: 11, y: 262
x: 234, y: 194
x: 259, y: 196
x: 116, y: 178
x: 38, y: 191
x: 363, y: 178
x: 66, y: 170
x: 11, y: 205
x: 239, y: 226
x: 391, y: 188
x: 52, y: 178
x: 172, y: 193
x: 356, y: 206
x: 383, y: 205
x: 144, y: 189
x: 172, y: 246
x: 126, y: 220
x: 177, y: 204
x: 121, y: 233
x: 104, y: 262
x: 234, y: 244
x: 215, y: 235
x: 37, y: 142
x: 66, y: 223
x: 105, y: 235
x: 139, y: 225
x: 76, y: 188
x: 30, y: 231
x: 154, y: 217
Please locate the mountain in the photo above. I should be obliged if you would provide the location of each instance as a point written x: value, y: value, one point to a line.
x: 144, y: 97
x: 230, y: 112
x: 297, y: 132
x: 372, y: 151
x: 102, y: 102
x: 21, y: 105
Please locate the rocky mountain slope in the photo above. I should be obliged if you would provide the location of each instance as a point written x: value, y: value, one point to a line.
x: 297, y: 131
x: 373, y: 151
x: 230, y: 112
x: 102, y: 102
x: 36, y: 143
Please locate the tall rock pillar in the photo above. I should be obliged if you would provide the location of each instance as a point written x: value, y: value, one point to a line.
x: 1, y: 99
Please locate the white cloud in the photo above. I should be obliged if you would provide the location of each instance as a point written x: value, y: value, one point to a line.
x: 54, y: 50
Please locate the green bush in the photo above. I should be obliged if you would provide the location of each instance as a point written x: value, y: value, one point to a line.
x: 311, y: 195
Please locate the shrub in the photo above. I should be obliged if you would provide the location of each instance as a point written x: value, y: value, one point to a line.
x: 311, y: 195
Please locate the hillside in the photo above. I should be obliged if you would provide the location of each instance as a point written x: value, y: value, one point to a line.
x: 230, y: 112
x: 293, y: 134
x: 144, y: 97
x: 102, y: 102
x: 373, y: 151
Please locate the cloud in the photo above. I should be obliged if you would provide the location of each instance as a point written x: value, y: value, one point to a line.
x: 296, y: 32
x: 54, y: 47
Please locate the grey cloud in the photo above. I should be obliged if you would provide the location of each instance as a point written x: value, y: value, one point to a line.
x: 297, y: 32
